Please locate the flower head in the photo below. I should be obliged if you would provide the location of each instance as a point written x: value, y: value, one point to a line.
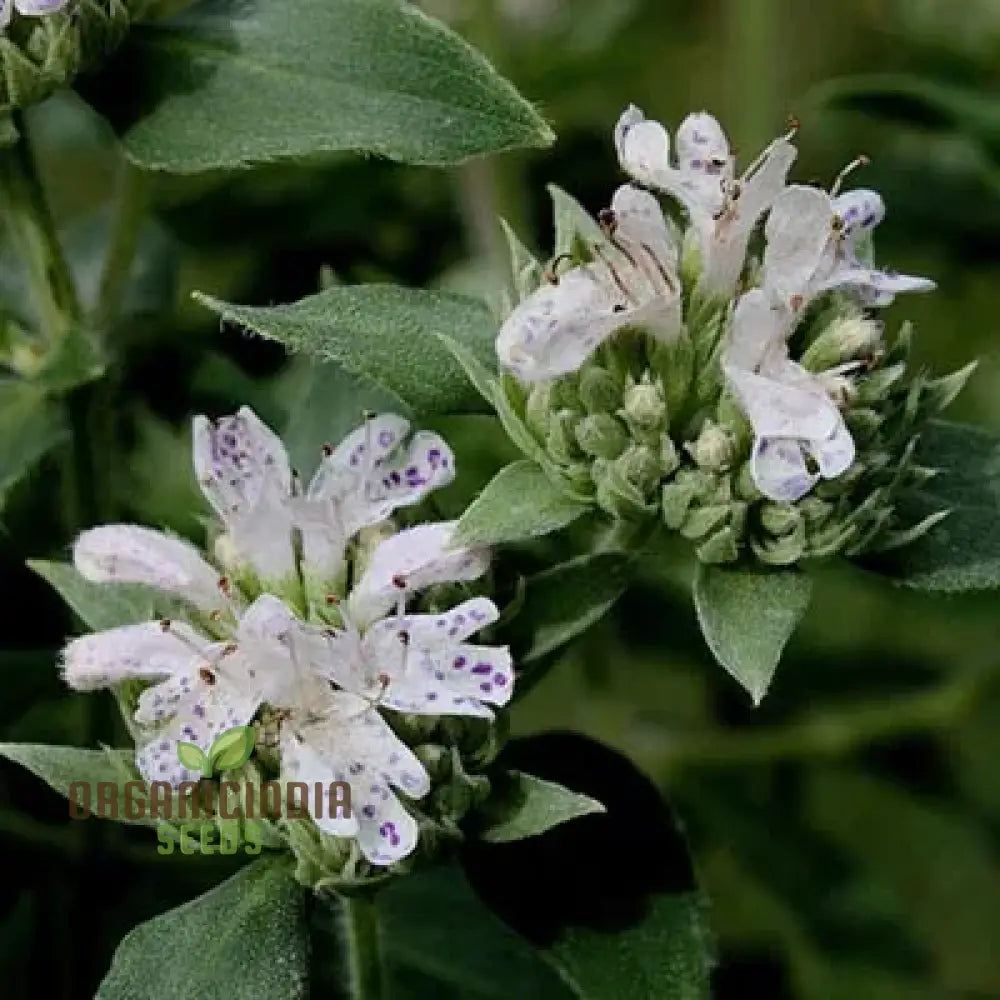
x: 632, y: 282
x: 331, y: 671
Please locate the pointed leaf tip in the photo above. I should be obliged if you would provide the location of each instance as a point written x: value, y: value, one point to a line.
x: 747, y: 617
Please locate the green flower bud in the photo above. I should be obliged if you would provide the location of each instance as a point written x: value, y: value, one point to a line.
x: 601, y: 436
x: 845, y: 339
x: 675, y: 501
x: 779, y: 519
x: 677, y: 497
x: 599, y: 392
x: 784, y: 551
x: 713, y: 449
x: 722, y: 547
x: 644, y: 407
x: 615, y: 494
x: 640, y: 466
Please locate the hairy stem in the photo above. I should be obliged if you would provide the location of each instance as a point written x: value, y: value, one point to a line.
x: 364, y: 947
x: 33, y: 233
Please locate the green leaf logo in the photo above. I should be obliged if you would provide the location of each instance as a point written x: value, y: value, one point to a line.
x: 191, y: 757
x: 231, y: 749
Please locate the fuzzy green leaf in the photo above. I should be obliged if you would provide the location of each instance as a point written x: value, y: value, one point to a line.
x: 962, y: 551
x: 105, y: 605
x: 747, y: 617
x: 525, y: 806
x: 60, y: 767
x: 227, y: 83
x: 663, y: 958
x: 385, y: 334
x: 244, y: 938
x: 520, y: 502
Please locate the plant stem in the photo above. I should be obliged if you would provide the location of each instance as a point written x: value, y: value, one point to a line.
x: 33, y: 232
x: 129, y: 216
x: 364, y: 947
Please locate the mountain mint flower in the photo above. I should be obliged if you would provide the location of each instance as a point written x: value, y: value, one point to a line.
x: 799, y: 434
x: 337, y: 671
x: 751, y: 402
x: 360, y: 483
x: 632, y: 282
x: 422, y: 664
x: 722, y: 210
x: 817, y: 243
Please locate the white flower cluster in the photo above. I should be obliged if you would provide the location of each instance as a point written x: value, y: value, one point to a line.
x: 280, y: 627
x: 815, y: 242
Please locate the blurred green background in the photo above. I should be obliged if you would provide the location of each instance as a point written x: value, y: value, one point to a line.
x: 848, y: 830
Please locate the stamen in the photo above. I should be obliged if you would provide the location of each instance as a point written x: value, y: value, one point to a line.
x: 861, y: 161
x: 614, y: 275
x: 793, y: 125
x: 549, y: 271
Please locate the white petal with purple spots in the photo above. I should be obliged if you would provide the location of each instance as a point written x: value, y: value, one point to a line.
x: 128, y: 553
x: 244, y: 473
x: 408, y: 562
x: 131, y: 652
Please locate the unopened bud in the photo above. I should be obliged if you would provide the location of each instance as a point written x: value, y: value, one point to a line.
x: 601, y: 436
x: 599, y: 391
x: 713, y: 449
x: 645, y: 407
x: 847, y: 338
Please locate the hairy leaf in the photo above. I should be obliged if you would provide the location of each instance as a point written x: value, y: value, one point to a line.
x: 525, y: 806
x: 520, y: 502
x: 385, y: 334
x: 227, y: 83
x: 244, y: 938
x: 747, y: 617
